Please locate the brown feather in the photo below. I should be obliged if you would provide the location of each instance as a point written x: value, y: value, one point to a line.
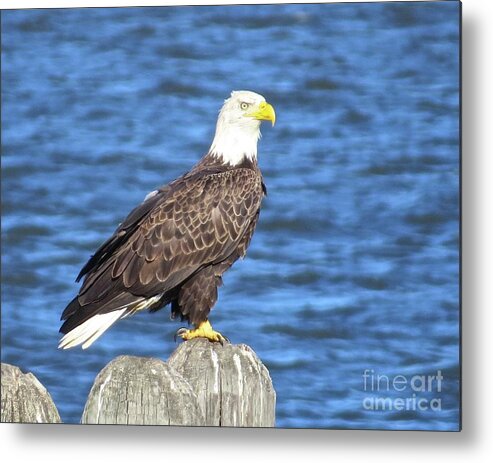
x: 176, y: 244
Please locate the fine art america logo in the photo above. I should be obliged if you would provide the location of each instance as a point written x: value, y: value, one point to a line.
x: 400, y: 392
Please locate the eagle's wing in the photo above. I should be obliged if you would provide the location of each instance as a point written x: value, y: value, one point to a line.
x: 195, y: 221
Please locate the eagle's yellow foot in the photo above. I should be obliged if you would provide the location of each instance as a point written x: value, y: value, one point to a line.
x: 203, y: 330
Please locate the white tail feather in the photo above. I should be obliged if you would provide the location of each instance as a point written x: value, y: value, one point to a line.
x: 87, y: 332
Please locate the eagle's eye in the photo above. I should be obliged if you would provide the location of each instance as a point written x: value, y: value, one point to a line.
x: 244, y: 105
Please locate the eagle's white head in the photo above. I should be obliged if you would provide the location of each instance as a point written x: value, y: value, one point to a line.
x: 238, y: 127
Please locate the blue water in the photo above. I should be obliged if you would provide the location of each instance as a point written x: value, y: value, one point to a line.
x: 355, y: 262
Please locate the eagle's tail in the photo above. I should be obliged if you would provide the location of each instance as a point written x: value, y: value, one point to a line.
x: 86, y: 333
x: 83, y: 325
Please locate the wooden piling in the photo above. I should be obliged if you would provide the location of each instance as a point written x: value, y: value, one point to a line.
x: 25, y: 399
x: 233, y: 387
x: 145, y: 391
x: 202, y: 383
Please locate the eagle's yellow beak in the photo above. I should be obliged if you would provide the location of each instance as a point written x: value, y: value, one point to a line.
x: 265, y: 112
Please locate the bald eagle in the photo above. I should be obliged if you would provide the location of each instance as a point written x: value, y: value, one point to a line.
x: 175, y: 246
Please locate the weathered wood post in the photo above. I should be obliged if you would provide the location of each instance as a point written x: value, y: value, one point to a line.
x: 202, y: 383
x: 233, y: 387
x: 136, y: 390
x: 25, y: 399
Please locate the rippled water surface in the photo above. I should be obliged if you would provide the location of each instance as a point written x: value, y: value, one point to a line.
x: 355, y: 262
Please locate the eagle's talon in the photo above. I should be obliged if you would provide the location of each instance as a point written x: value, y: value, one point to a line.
x: 224, y: 340
x: 180, y: 332
x: 202, y: 330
